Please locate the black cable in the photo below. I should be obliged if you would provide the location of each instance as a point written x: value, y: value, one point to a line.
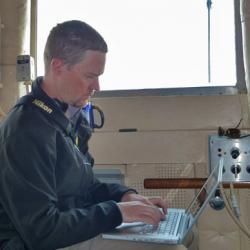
x: 239, y: 123
x: 232, y: 133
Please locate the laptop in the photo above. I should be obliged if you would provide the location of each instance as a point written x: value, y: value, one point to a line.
x: 178, y: 222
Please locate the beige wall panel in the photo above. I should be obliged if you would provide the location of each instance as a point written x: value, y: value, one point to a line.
x: 244, y: 202
x: 172, y: 112
x: 150, y: 147
x: 9, y: 92
x: 201, y: 170
x: 244, y: 110
x: 136, y: 173
x: 217, y: 231
x: 14, y: 19
x: 12, y: 12
x: 10, y: 42
x: 217, y: 227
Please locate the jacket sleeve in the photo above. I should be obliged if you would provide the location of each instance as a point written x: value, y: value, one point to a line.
x: 100, y: 191
x: 108, y: 191
x: 28, y: 195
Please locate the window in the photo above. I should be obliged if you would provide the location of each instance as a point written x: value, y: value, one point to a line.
x: 158, y: 44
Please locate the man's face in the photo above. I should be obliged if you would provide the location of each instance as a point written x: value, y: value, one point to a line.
x: 77, y: 83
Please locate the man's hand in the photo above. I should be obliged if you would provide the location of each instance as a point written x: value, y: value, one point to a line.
x: 135, y: 207
x: 156, y: 201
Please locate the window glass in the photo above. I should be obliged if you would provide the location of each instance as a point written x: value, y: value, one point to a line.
x: 153, y: 44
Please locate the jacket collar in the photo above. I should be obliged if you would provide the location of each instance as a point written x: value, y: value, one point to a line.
x: 49, y: 106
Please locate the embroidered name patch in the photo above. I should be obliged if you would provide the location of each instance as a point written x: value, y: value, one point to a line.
x: 42, y: 105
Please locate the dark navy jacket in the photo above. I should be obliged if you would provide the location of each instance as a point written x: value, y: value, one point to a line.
x: 49, y: 197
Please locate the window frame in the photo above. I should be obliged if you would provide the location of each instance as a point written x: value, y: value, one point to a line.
x: 239, y: 88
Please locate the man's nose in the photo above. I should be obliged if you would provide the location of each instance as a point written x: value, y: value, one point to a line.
x: 96, y: 86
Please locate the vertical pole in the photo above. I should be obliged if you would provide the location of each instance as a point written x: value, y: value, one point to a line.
x: 1, y: 85
x: 209, y: 4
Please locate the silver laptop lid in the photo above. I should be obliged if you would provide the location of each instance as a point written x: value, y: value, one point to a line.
x: 205, y: 193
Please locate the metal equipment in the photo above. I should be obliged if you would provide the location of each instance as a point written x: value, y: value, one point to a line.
x: 236, y: 154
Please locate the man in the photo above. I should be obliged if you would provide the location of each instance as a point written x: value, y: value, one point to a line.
x: 49, y: 197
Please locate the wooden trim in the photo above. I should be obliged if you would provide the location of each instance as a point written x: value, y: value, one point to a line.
x: 165, y: 183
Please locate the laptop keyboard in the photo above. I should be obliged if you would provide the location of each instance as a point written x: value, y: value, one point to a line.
x: 165, y: 227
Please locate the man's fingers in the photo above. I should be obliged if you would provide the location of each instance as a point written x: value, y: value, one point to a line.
x: 158, y: 201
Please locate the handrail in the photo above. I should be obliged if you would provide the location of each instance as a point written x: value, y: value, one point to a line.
x: 184, y: 183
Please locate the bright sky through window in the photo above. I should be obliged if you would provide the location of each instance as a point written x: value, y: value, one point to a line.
x: 152, y: 44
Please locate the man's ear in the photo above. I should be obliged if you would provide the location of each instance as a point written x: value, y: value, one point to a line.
x: 57, y: 65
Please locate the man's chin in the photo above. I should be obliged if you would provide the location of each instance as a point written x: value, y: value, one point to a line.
x: 80, y: 104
